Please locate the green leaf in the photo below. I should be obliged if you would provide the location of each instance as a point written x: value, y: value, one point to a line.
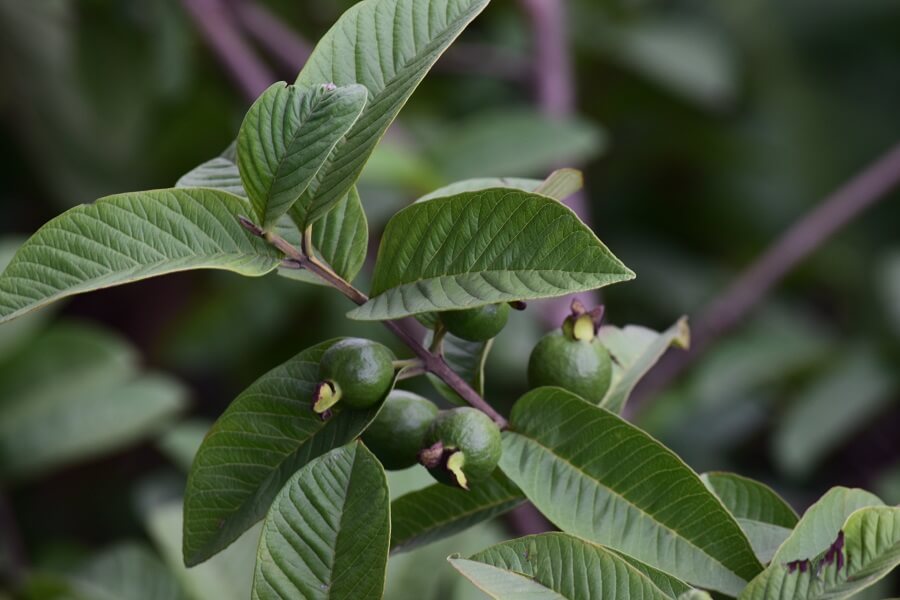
x: 516, y: 143
x: 762, y: 514
x: 481, y: 248
x: 226, y: 576
x: 340, y: 238
x: 129, y: 237
x: 467, y: 359
x: 75, y: 393
x: 868, y: 549
x: 822, y: 418
x: 559, y: 185
x: 219, y: 173
x: 285, y: 139
x: 695, y: 595
x: 596, y: 476
x: 635, y: 350
x: 262, y: 439
x: 388, y: 46
x: 822, y: 522
x: 556, y: 565
x: 439, y: 511
x: 328, y: 531
x: 13, y: 335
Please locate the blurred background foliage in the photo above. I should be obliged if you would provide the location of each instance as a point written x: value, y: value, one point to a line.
x: 704, y: 129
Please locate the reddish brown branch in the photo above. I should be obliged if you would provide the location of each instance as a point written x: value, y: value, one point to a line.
x: 216, y: 23
x: 282, y: 43
x: 808, y: 234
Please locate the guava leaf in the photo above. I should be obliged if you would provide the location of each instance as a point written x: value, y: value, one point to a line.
x: 762, y: 514
x: 285, y: 139
x: 439, y: 511
x: 340, y: 238
x: 328, y: 531
x: 635, y: 350
x: 129, y: 237
x: 388, y: 46
x: 219, y: 173
x: 262, y: 439
x: 597, y: 476
x: 484, y: 247
x: 558, y: 566
x: 865, y: 549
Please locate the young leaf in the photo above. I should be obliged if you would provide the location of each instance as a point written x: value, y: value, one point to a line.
x: 388, y: 46
x: 266, y: 434
x: 556, y: 565
x: 866, y: 548
x: 635, y: 350
x: 559, y: 185
x: 73, y: 393
x: 822, y: 522
x: 762, y: 514
x: 438, y: 511
x: 328, y: 531
x: 219, y: 173
x: 485, y: 247
x: 285, y: 139
x: 129, y: 237
x: 598, y: 477
x: 340, y: 238
x: 467, y: 359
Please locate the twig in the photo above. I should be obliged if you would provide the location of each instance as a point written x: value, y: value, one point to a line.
x: 431, y: 363
x: 737, y: 301
x: 215, y: 23
x: 279, y: 41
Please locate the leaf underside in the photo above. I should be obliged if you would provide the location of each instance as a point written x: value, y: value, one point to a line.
x: 557, y: 565
x: 868, y: 549
x: 262, y: 439
x: 129, y: 237
x: 762, y: 514
x: 327, y: 533
x: 636, y: 350
x: 484, y: 247
x: 439, y: 511
x: 596, y: 476
x: 341, y: 237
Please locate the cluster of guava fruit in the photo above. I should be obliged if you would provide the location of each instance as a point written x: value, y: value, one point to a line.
x: 459, y: 446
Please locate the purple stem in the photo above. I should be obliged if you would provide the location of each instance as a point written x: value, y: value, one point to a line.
x: 809, y: 233
x: 278, y: 40
x: 215, y: 23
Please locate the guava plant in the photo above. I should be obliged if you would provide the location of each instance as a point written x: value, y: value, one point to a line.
x: 305, y: 447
